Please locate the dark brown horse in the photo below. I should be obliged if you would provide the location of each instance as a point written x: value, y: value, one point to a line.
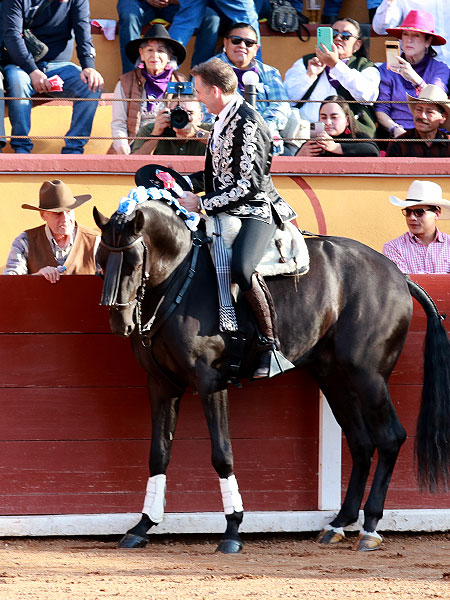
x: 345, y: 322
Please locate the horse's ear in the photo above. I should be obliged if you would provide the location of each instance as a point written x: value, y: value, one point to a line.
x: 100, y: 219
x: 139, y: 221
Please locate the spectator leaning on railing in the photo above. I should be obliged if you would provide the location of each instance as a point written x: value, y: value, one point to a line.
x: 415, y: 68
x: 344, y: 71
x: 161, y: 56
x: 340, y: 123
x: 54, y: 23
x: 430, y: 113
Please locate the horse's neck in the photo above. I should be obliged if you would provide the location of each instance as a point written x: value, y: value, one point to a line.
x: 168, y: 246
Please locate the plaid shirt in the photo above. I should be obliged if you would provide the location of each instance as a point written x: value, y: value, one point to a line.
x: 412, y: 256
x: 270, y: 87
x: 420, y: 148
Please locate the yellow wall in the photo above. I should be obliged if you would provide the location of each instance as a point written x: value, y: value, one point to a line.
x: 353, y: 206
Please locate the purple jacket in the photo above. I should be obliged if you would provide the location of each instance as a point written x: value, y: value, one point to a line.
x: 394, y: 87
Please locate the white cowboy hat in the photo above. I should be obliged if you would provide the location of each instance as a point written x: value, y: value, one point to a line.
x: 432, y: 94
x: 427, y: 193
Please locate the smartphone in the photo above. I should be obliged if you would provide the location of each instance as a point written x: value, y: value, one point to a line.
x: 392, y: 53
x: 325, y: 37
x: 315, y: 129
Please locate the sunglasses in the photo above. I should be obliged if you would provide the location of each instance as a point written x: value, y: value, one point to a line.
x: 417, y: 212
x: 236, y: 40
x: 345, y: 35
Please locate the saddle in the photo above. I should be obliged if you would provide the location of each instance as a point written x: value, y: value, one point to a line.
x: 286, y: 254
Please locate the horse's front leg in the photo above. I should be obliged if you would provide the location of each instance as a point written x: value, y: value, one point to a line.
x: 215, y: 406
x: 164, y: 405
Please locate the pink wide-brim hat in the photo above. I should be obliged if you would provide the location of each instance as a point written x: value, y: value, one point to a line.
x: 421, y: 21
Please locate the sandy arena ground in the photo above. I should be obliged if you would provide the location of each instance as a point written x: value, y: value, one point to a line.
x: 415, y: 567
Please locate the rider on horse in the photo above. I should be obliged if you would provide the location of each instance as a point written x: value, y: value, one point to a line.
x: 236, y: 180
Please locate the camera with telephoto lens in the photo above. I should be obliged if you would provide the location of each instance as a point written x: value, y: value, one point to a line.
x: 179, y: 118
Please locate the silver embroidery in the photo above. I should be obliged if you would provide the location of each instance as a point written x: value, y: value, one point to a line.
x: 221, y: 160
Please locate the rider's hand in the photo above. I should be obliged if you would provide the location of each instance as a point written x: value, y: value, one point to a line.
x: 190, y: 202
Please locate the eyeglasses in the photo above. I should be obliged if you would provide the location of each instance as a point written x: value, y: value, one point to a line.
x: 236, y: 40
x: 345, y: 35
x: 417, y: 212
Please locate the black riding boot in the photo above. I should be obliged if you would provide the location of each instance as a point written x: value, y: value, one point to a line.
x: 260, y: 300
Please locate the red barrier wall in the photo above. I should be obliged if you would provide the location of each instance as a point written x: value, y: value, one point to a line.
x: 75, y: 427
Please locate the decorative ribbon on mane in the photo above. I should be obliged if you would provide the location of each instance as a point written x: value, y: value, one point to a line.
x: 141, y: 194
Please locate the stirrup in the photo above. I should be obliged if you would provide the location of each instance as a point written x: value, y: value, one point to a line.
x: 277, y: 364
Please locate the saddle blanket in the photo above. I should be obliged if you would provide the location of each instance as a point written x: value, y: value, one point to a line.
x: 286, y: 254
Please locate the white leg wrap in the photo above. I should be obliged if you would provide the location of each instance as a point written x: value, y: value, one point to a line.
x: 231, y: 497
x: 155, y: 498
x: 373, y: 534
x: 338, y: 530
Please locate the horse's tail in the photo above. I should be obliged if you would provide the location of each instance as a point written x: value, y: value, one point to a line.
x: 433, y: 426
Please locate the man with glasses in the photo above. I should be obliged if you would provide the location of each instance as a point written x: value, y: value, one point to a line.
x: 344, y: 71
x: 430, y: 112
x: 240, y: 46
x: 422, y: 249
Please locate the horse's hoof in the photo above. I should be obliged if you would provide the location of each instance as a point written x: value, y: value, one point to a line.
x: 330, y: 536
x: 230, y: 547
x: 367, y: 543
x: 131, y: 540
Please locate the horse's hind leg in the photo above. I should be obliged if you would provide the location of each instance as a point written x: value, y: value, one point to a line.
x: 164, y: 419
x: 215, y: 406
x: 388, y: 436
x: 363, y: 409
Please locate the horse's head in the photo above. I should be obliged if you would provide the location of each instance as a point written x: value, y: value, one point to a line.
x: 122, y: 255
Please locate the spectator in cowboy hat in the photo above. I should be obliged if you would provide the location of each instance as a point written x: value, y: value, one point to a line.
x: 422, y: 249
x: 161, y: 56
x: 59, y: 246
x: 431, y: 115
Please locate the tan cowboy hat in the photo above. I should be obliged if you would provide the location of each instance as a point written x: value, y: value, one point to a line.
x: 433, y: 94
x: 427, y: 193
x: 55, y: 196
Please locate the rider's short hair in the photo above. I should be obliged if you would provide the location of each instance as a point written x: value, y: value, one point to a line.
x: 219, y: 73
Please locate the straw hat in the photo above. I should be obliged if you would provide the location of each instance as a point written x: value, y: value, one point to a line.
x: 433, y: 94
x: 427, y: 193
x: 156, y: 32
x: 55, y: 196
x: 421, y: 21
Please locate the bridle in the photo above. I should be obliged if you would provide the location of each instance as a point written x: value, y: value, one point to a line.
x: 114, y: 268
x: 112, y: 280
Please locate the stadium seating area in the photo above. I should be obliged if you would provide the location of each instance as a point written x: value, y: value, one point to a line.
x: 53, y: 117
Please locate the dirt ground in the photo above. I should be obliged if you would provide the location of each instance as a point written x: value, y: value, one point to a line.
x: 277, y: 566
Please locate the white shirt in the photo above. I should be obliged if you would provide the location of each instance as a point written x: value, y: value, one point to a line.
x: 218, y: 125
x: 362, y: 85
x: 392, y: 14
